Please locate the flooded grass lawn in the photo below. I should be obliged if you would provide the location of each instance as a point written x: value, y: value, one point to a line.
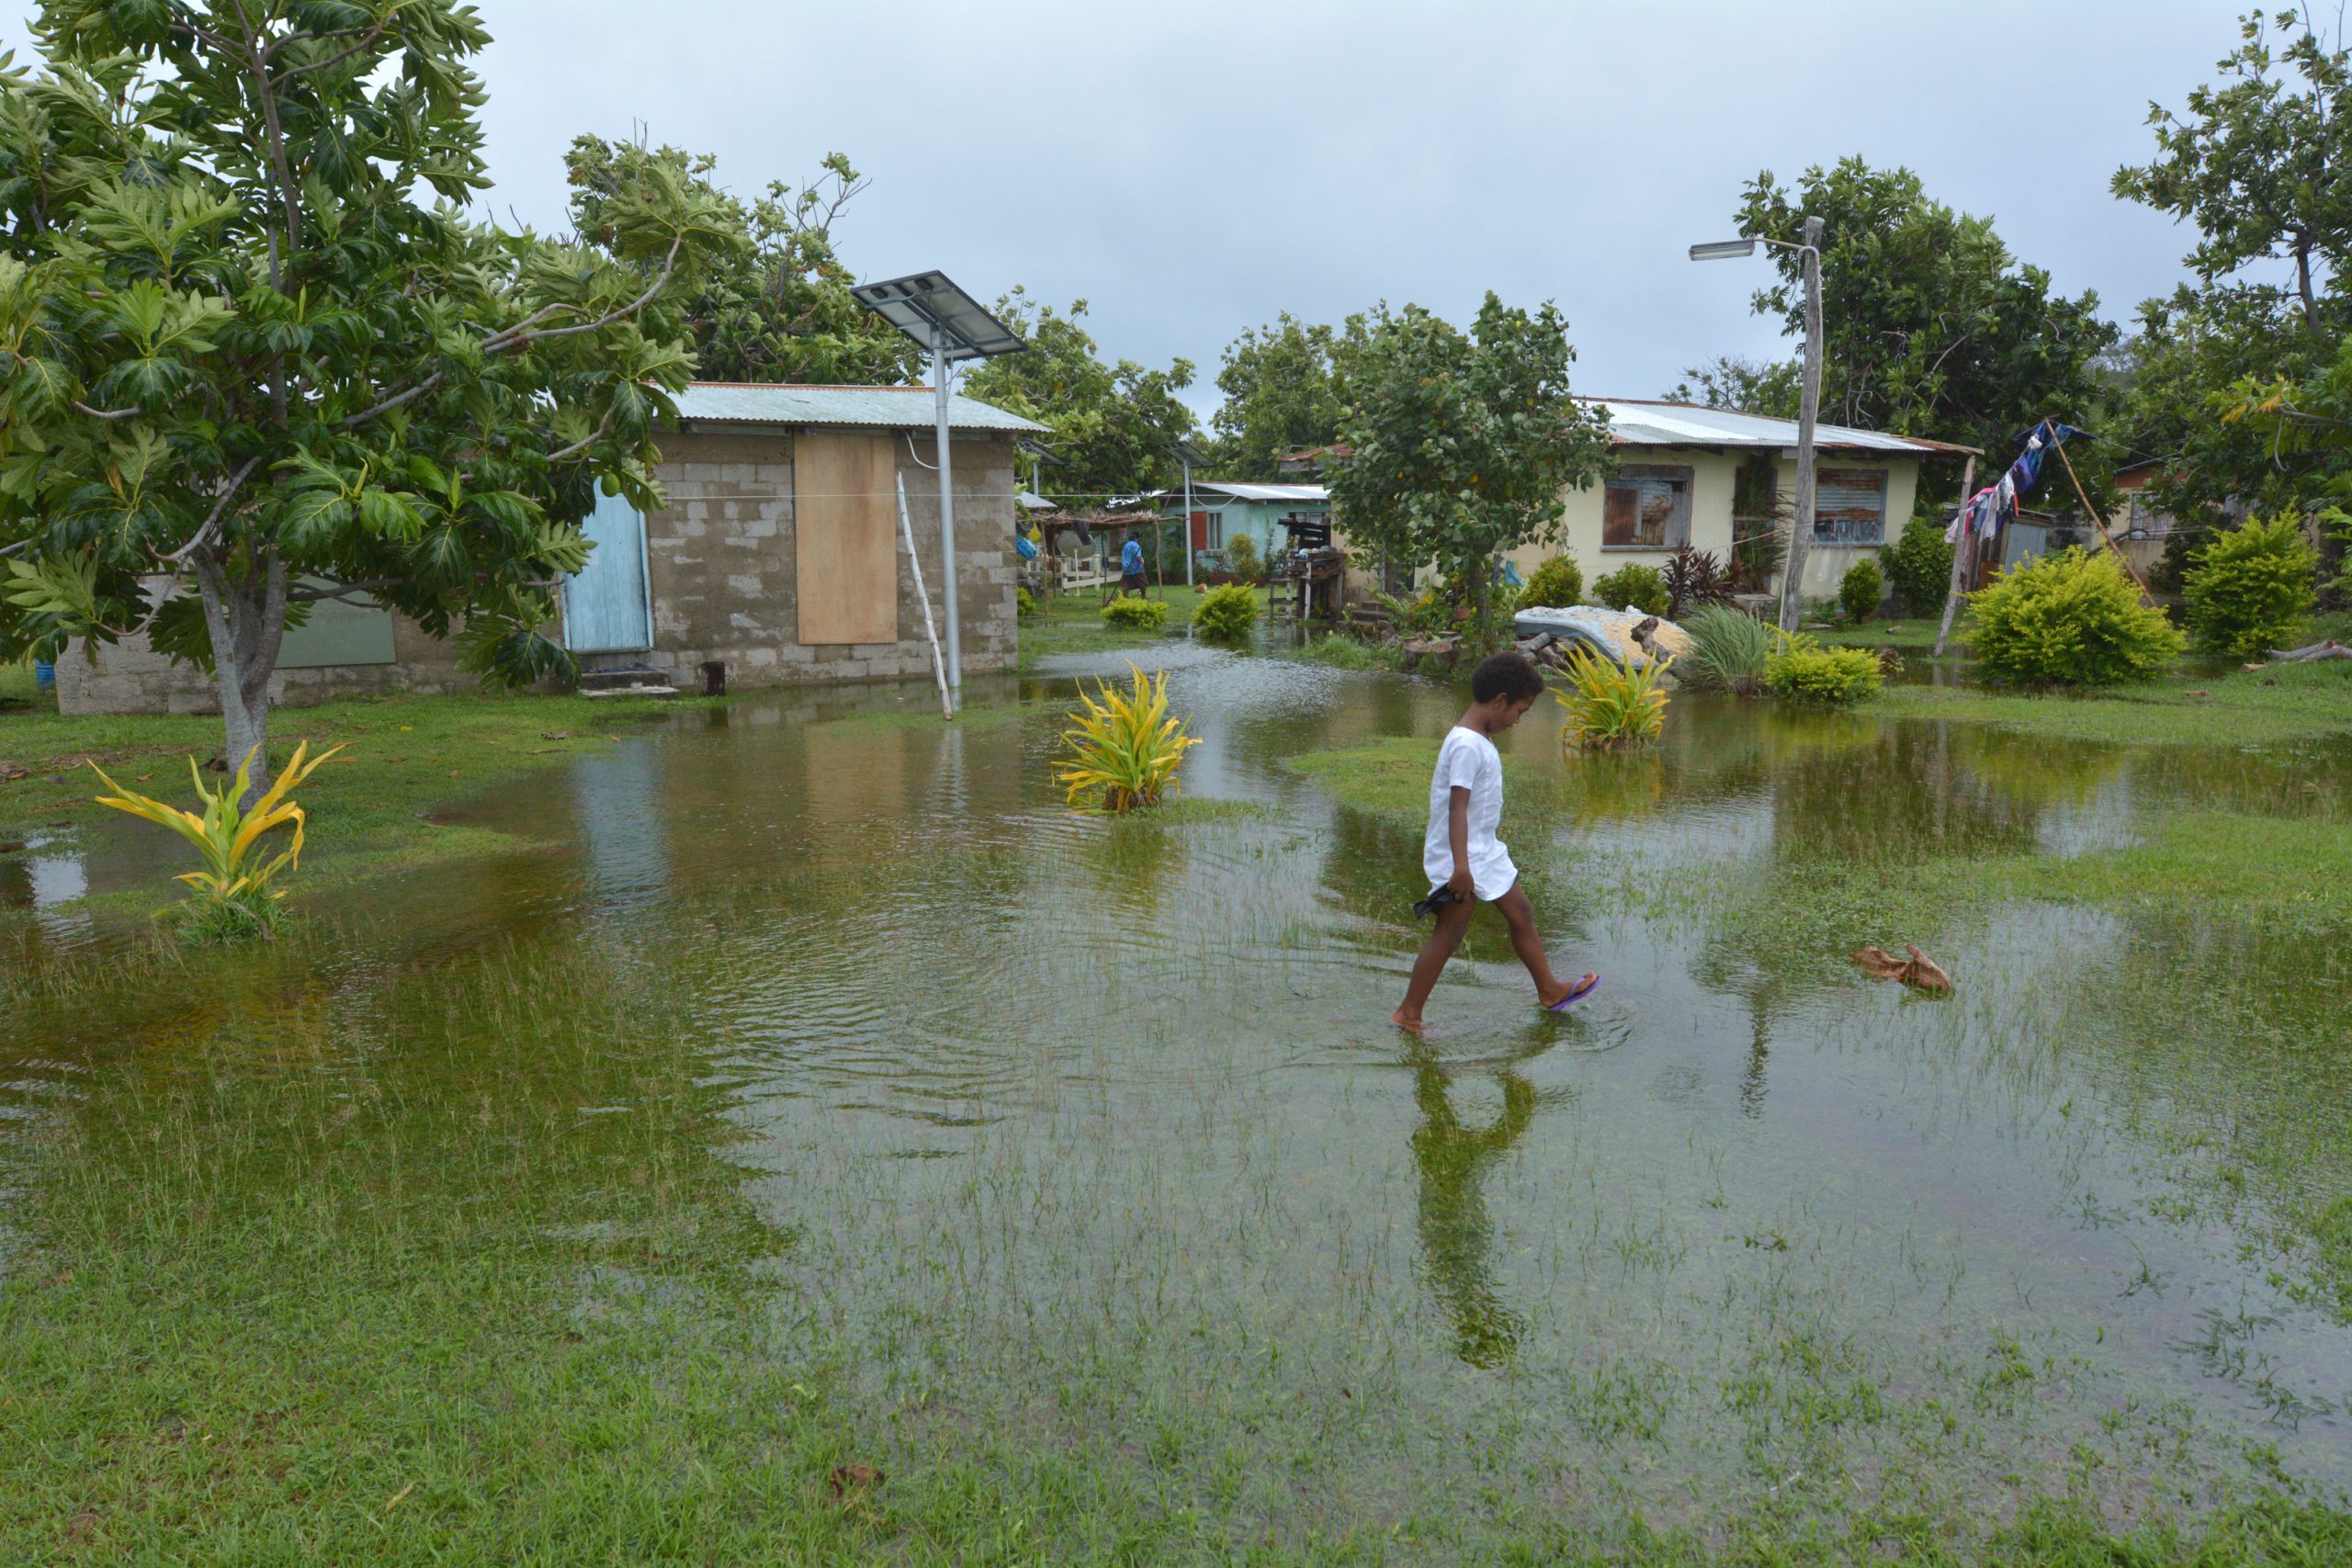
x: 816, y: 1145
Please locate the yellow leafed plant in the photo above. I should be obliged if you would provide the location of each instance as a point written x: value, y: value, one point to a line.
x: 1609, y: 705
x: 1123, y: 748
x: 234, y: 887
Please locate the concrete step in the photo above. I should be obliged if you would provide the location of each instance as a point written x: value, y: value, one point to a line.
x: 653, y: 690
x: 599, y: 679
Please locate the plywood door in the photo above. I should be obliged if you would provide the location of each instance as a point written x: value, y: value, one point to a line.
x: 845, y: 525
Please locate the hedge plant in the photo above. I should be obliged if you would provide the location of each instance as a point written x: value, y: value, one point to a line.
x: 1136, y: 614
x: 1803, y: 671
x: 1861, y: 589
x: 1227, y: 613
x: 1920, y: 566
x: 1557, y: 583
x: 2069, y: 619
x: 2251, y: 589
x: 1639, y: 587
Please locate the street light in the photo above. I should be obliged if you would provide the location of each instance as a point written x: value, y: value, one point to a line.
x: 1801, y: 533
x: 953, y: 326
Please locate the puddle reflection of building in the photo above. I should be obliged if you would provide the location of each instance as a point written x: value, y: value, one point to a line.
x: 622, y: 804
x: 1457, y: 1233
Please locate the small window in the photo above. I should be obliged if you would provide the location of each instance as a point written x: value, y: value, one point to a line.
x: 1217, y: 530
x: 1646, y: 507
x: 1849, y: 507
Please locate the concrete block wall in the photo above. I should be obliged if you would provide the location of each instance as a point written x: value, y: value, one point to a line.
x: 723, y: 560
x: 130, y: 677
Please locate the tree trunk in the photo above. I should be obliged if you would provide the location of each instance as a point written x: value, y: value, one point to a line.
x: 244, y: 616
x: 2303, y: 279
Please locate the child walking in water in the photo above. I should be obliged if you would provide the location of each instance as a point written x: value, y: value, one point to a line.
x: 1466, y: 863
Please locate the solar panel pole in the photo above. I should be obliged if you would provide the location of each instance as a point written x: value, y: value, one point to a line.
x: 948, y: 522
x: 1188, y: 521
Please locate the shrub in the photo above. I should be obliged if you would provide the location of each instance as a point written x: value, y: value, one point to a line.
x: 1861, y: 589
x: 1805, y: 672
x: 1609, y: 705
x: 1242, y: 559
x: 2252, y: 588
x: 1340, y: 652
x: 1227, y: 613
x: 1728, y: 649
x: 1920, y: 566
x: 232, y: 896
x: 1136, y: 614
x: 1694, y: 578
x: 1558, y: 582
x: 1122, y: 750
x: 1635, y: 587
x: 1025, y: 605
x: 2068, y: 620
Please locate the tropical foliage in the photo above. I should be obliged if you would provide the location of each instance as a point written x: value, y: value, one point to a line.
x: 2068, y: 620
x: 1242, y: 559
x: 1286, y: 387
x: 1609, y: 706
x: 1693, y: 578
x: 2251, y: 589
x: 253, y: 344
x: 1728, y: 649
x: 1861, y: 589
x: 1557, y: 583
x: 1225, y: 614
x: 1136, y: 614
x: 235, y: 893
x: 1803, y: 671
x: 1122, y: 749
x: 1920, y: 566
x: 1513, y: 439
x: 1115, y: 426
x: 1633, y: 587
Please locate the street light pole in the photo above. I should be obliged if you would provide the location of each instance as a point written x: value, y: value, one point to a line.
x: 1188, y: 519
x: 1801, y: 531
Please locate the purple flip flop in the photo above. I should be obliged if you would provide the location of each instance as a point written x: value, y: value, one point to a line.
x: 1577, y: 993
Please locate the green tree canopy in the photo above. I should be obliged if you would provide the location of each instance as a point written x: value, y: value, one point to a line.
x: 1464, y: 443
x: 2259, y: 162
x: 778, y: 308
x: 253, y: 349
x: 1285, y: 387
x: 1731, y: 381
x: 1115, y: 426
x: 1931, y: 327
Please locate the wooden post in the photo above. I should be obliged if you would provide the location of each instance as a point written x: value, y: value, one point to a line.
x: 938, y: 664
x: 2147, y: 597
x: 1961, y: 552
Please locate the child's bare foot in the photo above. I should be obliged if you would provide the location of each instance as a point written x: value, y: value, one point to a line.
x: 1567, y: 994
x: 1410, y: 1023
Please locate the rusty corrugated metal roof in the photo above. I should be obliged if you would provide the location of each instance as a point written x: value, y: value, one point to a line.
x: 893, y: 408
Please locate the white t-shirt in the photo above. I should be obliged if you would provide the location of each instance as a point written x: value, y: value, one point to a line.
x: 1470, y: 761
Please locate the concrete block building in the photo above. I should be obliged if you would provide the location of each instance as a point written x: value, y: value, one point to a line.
x: 778, y: 552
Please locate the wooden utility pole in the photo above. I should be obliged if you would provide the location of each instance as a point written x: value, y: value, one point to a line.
x: 1963, y: 554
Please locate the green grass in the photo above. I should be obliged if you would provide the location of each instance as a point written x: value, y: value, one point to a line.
x: 406, y: 755
x: 17, y: 687
x: 2284, y: 702
x: 1903, y: 635
x: 1072, y: 622
x: 1336, y: 651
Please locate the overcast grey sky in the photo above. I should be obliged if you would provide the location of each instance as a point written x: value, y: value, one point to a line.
x: 1192, y: 170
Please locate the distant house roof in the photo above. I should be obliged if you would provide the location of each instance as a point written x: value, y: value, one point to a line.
x: 1296, y: 495
x: 1644, y: 421
x: 893, y: 408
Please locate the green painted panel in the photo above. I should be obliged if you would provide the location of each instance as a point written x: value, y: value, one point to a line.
x: 358, y: 632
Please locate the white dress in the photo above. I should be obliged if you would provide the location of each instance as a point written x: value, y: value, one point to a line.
x: 1469, y: 760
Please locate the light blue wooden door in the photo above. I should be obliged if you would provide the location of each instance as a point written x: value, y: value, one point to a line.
x: 606, y: 607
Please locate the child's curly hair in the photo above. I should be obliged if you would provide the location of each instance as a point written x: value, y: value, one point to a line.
x: 1509, y: 674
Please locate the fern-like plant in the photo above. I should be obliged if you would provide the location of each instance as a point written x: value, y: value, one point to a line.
x: 234, y: 896
x: 1609, y: 706
x: 1122, y: 750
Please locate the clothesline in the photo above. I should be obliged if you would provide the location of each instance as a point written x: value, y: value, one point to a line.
x: 1984, y: 514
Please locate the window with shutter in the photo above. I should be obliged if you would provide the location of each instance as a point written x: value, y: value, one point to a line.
x: 1849, y: 507
x: 1647, y: 506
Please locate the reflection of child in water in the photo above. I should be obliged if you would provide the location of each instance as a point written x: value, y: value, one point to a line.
x: 1465, y: 861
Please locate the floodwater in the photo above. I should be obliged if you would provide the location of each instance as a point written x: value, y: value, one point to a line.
x: 1090, y: 1136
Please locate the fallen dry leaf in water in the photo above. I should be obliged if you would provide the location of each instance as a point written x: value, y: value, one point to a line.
x: 1918, y: 971
x: 850, y: 1481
